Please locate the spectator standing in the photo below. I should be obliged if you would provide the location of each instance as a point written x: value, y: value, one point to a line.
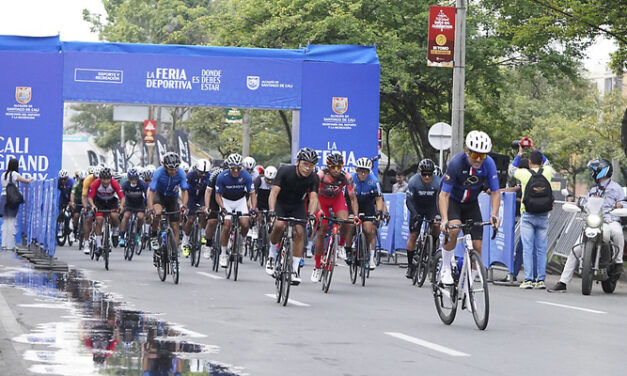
x: 537, y: 202
x: 401, y: 185
x: 9, y: 214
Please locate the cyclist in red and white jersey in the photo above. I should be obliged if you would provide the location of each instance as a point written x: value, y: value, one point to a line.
x: 332, y: 181
x: 103, y: 195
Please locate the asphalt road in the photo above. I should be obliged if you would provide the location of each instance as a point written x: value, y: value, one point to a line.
x: 386, y: 327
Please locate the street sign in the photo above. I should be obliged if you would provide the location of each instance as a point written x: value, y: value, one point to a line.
x: 150, y: 129
x: 440, y: 137
x: 234, y: 116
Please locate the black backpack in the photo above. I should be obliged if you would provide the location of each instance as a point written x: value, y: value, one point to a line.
x: 14, y: 196
x: 538, y: 195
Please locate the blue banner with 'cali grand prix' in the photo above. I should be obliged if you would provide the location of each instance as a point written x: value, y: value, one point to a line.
x: 342, y: 111
x: 31, y: 122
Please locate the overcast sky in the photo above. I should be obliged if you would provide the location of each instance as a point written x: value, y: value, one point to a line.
x: 65, y: 17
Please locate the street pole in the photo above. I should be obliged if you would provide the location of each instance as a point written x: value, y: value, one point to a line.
x: 457, y: 120
x: 246, y: 134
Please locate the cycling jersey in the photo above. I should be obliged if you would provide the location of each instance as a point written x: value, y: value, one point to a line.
x: 166, y: 185
x: 294, y: 188
x: 263, y: 192
x: 66, y: 190
x: 77, y: 190
x: 134, y: 195
x: 87, y: 184
x: 422, y: 198
x: 464, y: 183
x: 97, y: 190
x: 330, y: 186
x: 366, y: 191
x: 234, y: 188
x: 197, y: 185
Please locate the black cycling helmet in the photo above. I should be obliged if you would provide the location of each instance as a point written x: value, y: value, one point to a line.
x: 105, y: 173
x: 426, y: 166
x: 601, y: 168
x: 171, y: 160
x: 335, y: 159
x: 307, y: 155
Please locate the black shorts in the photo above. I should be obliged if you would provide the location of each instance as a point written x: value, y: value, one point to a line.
x: 77, y: 208
x: 367, y: 207
x: 134, y: 206
x: 110, y: 204
x: 415, y: 221
x: 169, y: 203
x: 462, y: 212
x: 291, y: 210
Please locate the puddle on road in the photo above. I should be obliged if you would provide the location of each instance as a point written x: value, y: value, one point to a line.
x: 100, y: 336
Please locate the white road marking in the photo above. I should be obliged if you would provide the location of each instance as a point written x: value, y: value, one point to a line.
x: 427, y: 344
x: 210, y: 275
x: 290, y: 301
x: 570, y: 307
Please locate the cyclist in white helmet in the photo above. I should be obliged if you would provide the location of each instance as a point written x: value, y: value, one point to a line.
x: 466, y: 174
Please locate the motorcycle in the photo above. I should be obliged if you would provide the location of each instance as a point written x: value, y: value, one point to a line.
x: 596, y: 262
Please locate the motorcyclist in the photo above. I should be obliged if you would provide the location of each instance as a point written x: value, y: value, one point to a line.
x: 614, y: 197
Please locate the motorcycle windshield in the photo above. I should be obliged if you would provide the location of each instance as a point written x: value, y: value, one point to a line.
x: 594, y: 205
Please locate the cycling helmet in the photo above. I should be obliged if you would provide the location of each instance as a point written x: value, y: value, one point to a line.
x: 224, y: 165
x: 97, y: 171
x: 437, y: 171
x: 270, y: 172
x: 601, y: 168
x: 63, y: 173
x: 147, y: 174
x: 203, y: 166
x: 132, y: 173
x: 184, y: 166
x: 91, y: 169
x: 259, y: 169
x: 364, y: 162
x: 335, y: 159
x: 426, y: 166
x: 234, y: 160
x: 151, y: 168
x: 105, y: 173
x: 249, y: 163
x: 307, y: 155
x: 82, y: 174
x: 479, y: 142
x: 171, y: 160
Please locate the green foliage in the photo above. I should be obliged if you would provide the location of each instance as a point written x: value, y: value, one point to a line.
x: 97, y: 120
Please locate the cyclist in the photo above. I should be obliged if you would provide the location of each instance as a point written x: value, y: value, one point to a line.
x: 263, y: 186
x: 64, y: 185
x: 167, y: 181
x: 76, y: 202
x: 134, y: 190
x: 146, y: 176
x: 197, y: 180
x: 212, y: 207
x: 185, y: 167
x: 287, y: 199
x: 332, y: 180
x: 370, y: 202
x: 231, y: 189
x: 249, y: 164
x: 422, y: 199
x: 466, y: 174
x: 102, y: 196
x: 93, y: 175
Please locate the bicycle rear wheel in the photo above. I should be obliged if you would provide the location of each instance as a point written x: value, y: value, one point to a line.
x: 354, y: 266
x: 229, y: 266
x: 195, y: 244
x: 328, y: 265
x: 67, y: 231
x: 478, y: 292
x: 423, y: 262
x: 106, y: 245
x: 363, y: 259
x: 162, y: 262
x: 445, y: 297
x: 286, y: 276
x: 60, y: 234
x: 92, y: 247
x: 173, y: 256
x: 235, y: 256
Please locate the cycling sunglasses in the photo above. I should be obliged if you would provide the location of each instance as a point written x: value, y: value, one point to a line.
x: 336, y: 167
x: 427, y: 174
x: 362, y: 170
x: 475, y: 155
x: 235, y: 168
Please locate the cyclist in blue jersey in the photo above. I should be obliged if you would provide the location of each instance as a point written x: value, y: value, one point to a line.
x: 370, y: 202
x: 166, y: 183
x: 197, y: 179
x: 466, y: 174
x: 422, y: 198
x: 231, y: 189
x: 134, y: 190
x: 64, y: 185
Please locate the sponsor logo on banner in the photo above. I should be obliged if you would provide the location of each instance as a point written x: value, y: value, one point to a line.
x: 102, y: 76
x: 252, y: 82
x: 340, y: 105
x: 23, y: 94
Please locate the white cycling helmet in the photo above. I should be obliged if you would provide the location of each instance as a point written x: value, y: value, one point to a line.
x: 270, y: 172
x: 97, y: 171
x: 249, y: 163
x: 82, y: 174
x: 184, y: 166
x: 364, y: 162
x: 234, y: 160
x: 63, y: 173
x: 203, y: 166
x: 151, y: 168
x: 479, y: 142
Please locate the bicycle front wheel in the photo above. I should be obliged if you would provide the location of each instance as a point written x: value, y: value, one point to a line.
x: 195, y: 244
x: 286, y: 276
x: 106, y: 246
x: 173, y: 255
x: 235, y: 257
x: 329, y: 265
x: 478, y: 292
x: 423, y: 262
x: 162, y: 262
x: 362, y: 249
x: 445, y: 297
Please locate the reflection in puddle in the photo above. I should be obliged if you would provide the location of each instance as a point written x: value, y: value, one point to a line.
x: 99, y: 336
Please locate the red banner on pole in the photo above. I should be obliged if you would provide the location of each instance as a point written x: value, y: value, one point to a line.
x: 150, y: 129
x: 441, y: 36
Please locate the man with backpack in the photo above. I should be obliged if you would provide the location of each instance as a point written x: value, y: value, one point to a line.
x: 537, y: 202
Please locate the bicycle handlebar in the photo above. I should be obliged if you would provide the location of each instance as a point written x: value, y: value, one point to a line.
x: 292, y: 220
x: 470, y: 224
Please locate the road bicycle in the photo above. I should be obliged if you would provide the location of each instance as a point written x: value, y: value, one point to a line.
x: 470, y: 282
x: 360, y: 264
x: 63, y: 229
x: 329, y: 257
x: 106, y: 236
x: 215, y: 244
x: 261, y: 245
x: 131, y: 236
x: 195, y: 241
x: 166, y: 258
x: 80, y: 231
x: 423, y: 257
x: 234, y: 245
x: 284, y: 268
